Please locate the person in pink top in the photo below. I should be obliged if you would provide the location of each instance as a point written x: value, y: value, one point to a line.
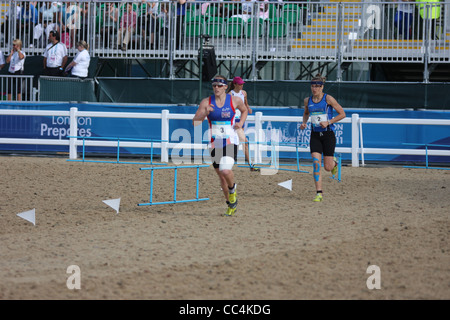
x: 126, y: 27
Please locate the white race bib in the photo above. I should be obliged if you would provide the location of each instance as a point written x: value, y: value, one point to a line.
x: 316, y: 119
x: 221, y: 129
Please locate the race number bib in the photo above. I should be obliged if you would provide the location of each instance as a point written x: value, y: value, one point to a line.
x: 316, y: 119
x: 221, y: 129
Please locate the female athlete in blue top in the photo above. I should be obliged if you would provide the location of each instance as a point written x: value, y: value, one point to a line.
x: 220, y: 109
x: 320, y: 107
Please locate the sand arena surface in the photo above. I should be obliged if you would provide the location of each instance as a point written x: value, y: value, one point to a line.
x: 280, y: 245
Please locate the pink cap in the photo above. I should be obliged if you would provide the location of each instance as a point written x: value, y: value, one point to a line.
x: 238, y: 80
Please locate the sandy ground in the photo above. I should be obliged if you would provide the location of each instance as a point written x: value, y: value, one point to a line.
x: 280, y: 245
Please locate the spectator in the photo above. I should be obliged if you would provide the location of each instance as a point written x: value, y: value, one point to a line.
x: 108, y: 20
x: 49, y: 17
x: 247, y: 8
x: 16, y: 60
x: 55, y: 56
x: 127, y: 27
x: 70, y: 20
x: 79, y: 67
x: 181, y: 14
x: 66, y: 38
x: 403, y: 18
x: 83, y: 15
x: 29, y: 18
x: 220, y: 10
x: 428, y: 10
x: 150, y: 20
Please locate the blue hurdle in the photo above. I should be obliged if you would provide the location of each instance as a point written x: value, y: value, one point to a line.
x: 426, y: 155
x: 197, y: 198
x: 83, y: 158
x: 274, y: 159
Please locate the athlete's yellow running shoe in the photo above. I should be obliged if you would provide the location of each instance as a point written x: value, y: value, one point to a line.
x: 232, y: 198
x: 230, y: 212
x: 318, y: 197
x: 335, y: 169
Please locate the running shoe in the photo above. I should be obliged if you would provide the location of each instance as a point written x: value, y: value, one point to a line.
x: 318, y: 197
x: 230, y: 212
x: 254, y: 169
x: 232, y: 199
x: 335, y: 169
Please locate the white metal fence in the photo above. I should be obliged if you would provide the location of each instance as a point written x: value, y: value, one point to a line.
x: 248, y: 30
x: 258, y: 146
x: 17, y: 88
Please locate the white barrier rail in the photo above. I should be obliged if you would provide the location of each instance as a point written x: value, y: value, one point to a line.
x: 165, y: 116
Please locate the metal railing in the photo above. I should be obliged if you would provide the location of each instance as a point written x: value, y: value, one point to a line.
x: 17, y: 88
x: 363, y: 31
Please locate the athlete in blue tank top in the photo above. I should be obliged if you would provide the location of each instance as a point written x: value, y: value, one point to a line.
x: 320, y: 111
x: 221, y: 123
x: 319, y: 106
x: 220, y: 109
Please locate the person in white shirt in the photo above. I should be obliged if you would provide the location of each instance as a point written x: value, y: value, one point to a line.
x: 236, y: 90
x: 79, y: 67
x: 16, y: 60
x: 55, y: 56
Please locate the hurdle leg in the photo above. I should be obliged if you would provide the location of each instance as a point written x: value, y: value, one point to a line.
x: 118, y: 150
x: 151, y: 152
x: 84, y: 147
x: 339, y: 166
x: 175, y: 185
x: 151, y: 187
x: 198, y: 175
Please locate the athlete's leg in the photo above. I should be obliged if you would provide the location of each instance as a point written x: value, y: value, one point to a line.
x: 329, y: 163
x: 246, y: 153
x: 226, y: 178
x: 243, y: 139
x: 329, y: 145
x: 317, y: 159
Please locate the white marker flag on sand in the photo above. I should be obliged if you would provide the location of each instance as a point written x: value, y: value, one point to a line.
x: 29, y: 216
x: 113, y: 203
x: 286, y: 184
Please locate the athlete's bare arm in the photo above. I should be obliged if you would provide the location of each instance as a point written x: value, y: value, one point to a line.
x: 202, y: 112
x: 238, y: 104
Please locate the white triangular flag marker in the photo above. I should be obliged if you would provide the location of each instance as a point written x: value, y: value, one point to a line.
x: 113, y: 203
x: 29, y: 216
x: 286, y: 184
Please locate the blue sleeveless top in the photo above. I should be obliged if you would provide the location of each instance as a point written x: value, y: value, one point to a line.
x: 320, y: 111
x: 221, y: 123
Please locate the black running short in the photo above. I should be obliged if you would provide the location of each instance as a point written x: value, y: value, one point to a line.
x: 230, y: 150
x: 323, y: 143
